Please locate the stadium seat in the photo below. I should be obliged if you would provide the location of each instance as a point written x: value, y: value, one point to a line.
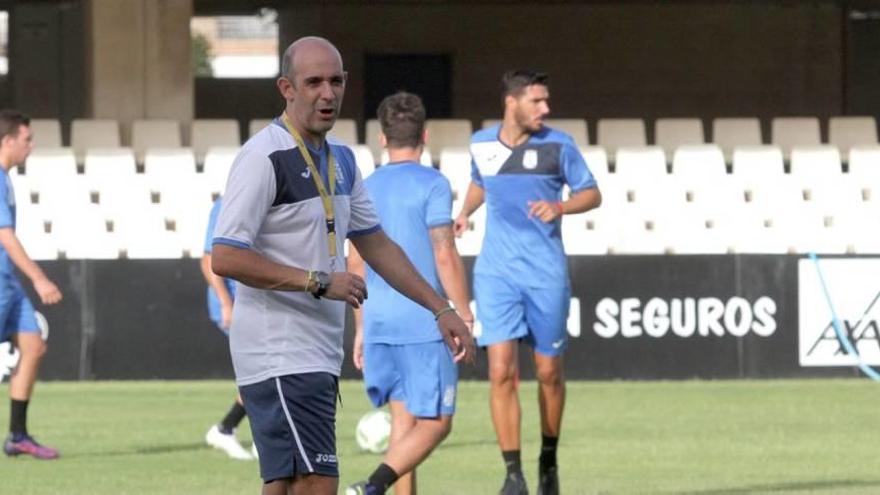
x: 89, y: 133
x: 697, y: 164
x: 585, y: 234
x: 634, y: 233
x: 345, y: 130
x: 363, y: 157
x: 443, y: 133
x: 455, y: 165
x: 597, y: 162
x: 849, y: 132
x: 864, y: 164
x: 489, y: 123
x: 218, y: 162
x: 714, y: 198
x: 83, y: 235
x: 144, y: 234
x: 471, y: 241
x: 816, y: 165
x: 49, y: 165
x: 206, y: 133
x: 371, y: 138
x: 191, y: 228
x: 30, y: 228
x: 639, y: 165
x: 861, y: 228
x: 256, y: 125
x: 788, y: 132
x: 576, y: 128
x: 154, y: 133
x: 46, y: 133
x: 750, y: 234
x: 105, y: 167
x: 669, y: 134
x: 757, y: 165
x: 694, y: 232
x: 61, y: 198
x: 618, y: 133
x: 172, y: 174
x: 730, y: 133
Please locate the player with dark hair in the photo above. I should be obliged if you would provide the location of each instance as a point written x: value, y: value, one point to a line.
x: 221, y: 294
x: 17, y: 320
x: 521, y: 280
x: 397, y: 345
x: 292, y: 198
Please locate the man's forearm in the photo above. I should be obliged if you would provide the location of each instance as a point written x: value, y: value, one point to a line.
x: 254, y: 270
x: 450, y: 269
x: 582, y: 201
x: 19, y: 256
x: 472, y: 200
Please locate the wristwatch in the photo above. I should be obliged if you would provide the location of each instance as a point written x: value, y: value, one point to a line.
x: 322, y: 283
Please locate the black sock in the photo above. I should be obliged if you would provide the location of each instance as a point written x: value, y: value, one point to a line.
x: 18, y: 418
x: 548, y: 452
x: 512, y: 461
x: 232, y: 419
x: 382, y: 478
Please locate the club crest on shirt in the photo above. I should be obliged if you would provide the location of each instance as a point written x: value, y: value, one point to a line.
x: 530, y: 159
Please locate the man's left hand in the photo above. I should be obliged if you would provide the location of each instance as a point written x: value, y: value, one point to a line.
x: 458, y: 337
x: 546, y: 211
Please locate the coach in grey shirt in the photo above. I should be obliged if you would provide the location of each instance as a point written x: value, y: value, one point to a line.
x: 291, y: 200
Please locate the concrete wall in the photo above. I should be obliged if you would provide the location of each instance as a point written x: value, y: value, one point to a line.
x: 139, y: 60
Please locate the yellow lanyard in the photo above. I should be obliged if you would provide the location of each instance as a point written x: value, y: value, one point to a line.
x: 326, y: 198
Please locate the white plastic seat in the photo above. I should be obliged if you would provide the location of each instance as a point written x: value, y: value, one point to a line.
x: 345, y: 130
x: 363, y: 157
x: 790, y: 132
x: 471, y: 241
x: 644, y: 164
x: 692, y: 165
x: 84, y: 235
x: 106, y: 168
x: 585, y: 234
x: 46, y: 133
x: 864, y: 163
x: 730, y: 133
x: 218, y: 162
x: 455, y: 165
x: 714, y: 198
x: 635, y: 234
x: 576, y: 128
x: 168, y: 167
x: 694, y: 232
x: 62, y: 198
x: 30, y: 229
x: 750, y: 234
x: 371, y: 138
x: 256, y: 125
x: 758, y: 165
x: 849, y: 132
x: 207, y: 133
x: 48, y: 165
x: 618, y: 133
x: 815, y: 165
x: 670, y: 134
x: 93, y: 133
x: 191, y: 228
x: 154, y: 133
x: 597, y: 162
x: 443, y: 133
x: 144, y: 234
x: 860, y: 229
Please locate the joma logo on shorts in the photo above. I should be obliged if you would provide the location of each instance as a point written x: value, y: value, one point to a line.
x: 326, y: 458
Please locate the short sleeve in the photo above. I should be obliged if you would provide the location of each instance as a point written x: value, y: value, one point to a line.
x: 575, y: 170
x: 476, y: 177
x: 6, y: 217
x: 439, y: 203
x: 212, y: 224
x: 250, y: 192
x: 364, y: 219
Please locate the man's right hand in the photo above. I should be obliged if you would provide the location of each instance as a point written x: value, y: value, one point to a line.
x: 458, y: 337
x: 48, y: 292
x: 460, y: 225
x: 348, y: 287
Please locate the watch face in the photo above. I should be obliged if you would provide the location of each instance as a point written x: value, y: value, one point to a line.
x: 323, y: 279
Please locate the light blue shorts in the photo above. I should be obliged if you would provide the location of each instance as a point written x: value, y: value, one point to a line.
x: 16, y: 313
x: 423, y: 376
x: 508, y: 311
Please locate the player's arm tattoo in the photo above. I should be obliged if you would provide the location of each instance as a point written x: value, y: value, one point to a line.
x: 443, y: 236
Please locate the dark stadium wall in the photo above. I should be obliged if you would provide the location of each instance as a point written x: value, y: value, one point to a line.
x: 633, y: 317
x: 606, y: 59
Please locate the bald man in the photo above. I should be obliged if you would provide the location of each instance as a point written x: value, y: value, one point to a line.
x: 292, y: 199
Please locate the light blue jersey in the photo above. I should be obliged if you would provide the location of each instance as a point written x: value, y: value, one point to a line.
x: 410, y: 199
x: 213, y: 301
x: 515, y: 246
x: 7, y: 218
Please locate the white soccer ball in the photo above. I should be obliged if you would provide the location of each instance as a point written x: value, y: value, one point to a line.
x: 9, y: 357
x: 373, y: 431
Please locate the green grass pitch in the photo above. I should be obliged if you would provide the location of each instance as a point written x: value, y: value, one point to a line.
x: 693, y: 437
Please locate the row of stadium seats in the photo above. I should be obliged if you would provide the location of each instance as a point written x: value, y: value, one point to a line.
x: 696, y: 205
x: 728, y: 133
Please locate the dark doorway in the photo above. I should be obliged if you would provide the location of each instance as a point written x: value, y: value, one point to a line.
x: 425, y: 75
x: 862, y: 96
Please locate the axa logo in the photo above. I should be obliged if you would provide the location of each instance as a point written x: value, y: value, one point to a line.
x: 863, y: 333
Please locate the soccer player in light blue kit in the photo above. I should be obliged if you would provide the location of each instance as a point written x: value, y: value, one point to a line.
x: 17, y: 320
x: 398, y: 347
x: 221, y: 294
x: 521, y: 276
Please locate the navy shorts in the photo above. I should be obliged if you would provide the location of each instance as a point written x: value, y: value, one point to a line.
x: 293, y: 423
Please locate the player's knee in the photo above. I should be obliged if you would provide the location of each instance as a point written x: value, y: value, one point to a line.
x: 34, y: 352
x: 502, y: 373
x: 549, y: 375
